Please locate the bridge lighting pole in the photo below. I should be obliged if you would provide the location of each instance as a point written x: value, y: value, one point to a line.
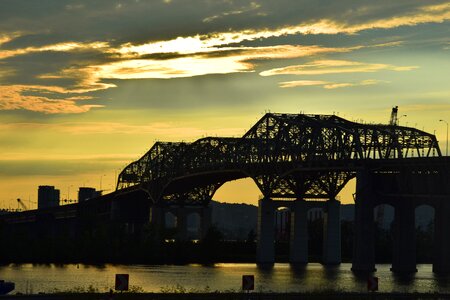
x: 68, y: 191
x: 446, y: 141
x: 101, y: 177
x: 398, y: 120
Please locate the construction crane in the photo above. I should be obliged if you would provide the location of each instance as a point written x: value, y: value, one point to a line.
x: 21, y: 204
x: 394, y: 118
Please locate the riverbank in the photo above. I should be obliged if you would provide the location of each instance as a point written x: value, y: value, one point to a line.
x: 229, y: 296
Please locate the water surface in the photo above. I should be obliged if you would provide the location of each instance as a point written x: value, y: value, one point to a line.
x: 32, y: 278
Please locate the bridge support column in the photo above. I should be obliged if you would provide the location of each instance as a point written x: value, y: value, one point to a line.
x: 205, y: 220
x: 363, y: 241
x: 441, y: 260
x: 404, y: 239
x: 157, y: 217
x: 265, y: 252
x: 298, y: 253
x: 182, y: 233
x: 332, y: 233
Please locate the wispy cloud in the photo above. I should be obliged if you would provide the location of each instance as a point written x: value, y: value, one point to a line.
x: 160, y: 130
x: 327, y: 84
x: 223, y: 61
x: 202, y: 43
x: 14, y: 97
x: 59, y: 47
x: 301, y: 83
x: 252, y: 7
x: 320, y: 67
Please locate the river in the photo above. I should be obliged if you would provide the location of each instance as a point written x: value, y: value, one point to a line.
x: 36, y: 278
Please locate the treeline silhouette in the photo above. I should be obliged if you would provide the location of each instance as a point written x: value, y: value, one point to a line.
x: 97, y: 242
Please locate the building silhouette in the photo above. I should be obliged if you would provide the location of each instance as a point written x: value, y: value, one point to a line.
x: 48, y: 196
x: 86, y: 193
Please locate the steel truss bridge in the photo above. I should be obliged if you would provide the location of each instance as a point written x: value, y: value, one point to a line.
x: 289, y: 156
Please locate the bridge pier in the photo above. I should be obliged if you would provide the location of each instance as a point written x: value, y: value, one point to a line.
x: 181, y: 225
x: 363, y: 242
x: 332, y: 233
x: 265, y: 250
x: 441, y: 261
x: 205, y: 220
x: 157, y: 217
x: 404, y: 238
x: 298, y: 253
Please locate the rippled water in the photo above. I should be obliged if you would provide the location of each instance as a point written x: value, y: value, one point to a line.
x: 221, y: 277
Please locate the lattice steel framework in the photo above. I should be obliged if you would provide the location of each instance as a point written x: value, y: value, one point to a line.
x: 287, y: 155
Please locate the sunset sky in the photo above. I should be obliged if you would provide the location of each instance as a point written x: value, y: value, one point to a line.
x: 88, y: 86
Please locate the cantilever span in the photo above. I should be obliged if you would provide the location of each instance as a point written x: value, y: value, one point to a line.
x: 287, y: 155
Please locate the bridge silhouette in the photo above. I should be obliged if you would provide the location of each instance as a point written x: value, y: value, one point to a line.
x: 299, y: 162
x: 287, y: 155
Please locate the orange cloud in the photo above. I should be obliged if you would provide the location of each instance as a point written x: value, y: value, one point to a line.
x: 227, y: 60
x: 86, y: 78
x: 327, y: 84
x: 5, y: 38
x: 13, y: 97
x: 320, y: 67
x: 59, y: 47
x: 300, y: 83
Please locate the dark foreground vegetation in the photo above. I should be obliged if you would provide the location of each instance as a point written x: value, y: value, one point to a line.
x: 234, y: 296
x: 99, y: 243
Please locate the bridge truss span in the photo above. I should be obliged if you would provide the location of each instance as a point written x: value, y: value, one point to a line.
x: 287, y: 155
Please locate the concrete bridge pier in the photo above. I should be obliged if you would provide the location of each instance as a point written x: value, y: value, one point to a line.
x: 181, y: 225
x: 205, y: 220
x: 332, y: 233
x: 298, y: 253
x: 441, y: 263
x: 364, y: 227
x: 157, y: 217
x: 404, y: 238
x: 265, y: 251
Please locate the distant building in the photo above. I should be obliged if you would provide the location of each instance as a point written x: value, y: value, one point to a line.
x: 86, y: 193
x: 48, y: 196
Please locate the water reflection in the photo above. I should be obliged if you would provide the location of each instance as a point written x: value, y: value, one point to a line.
x: 298, y: 270
x: 331, y: 272
x: 221, y: 277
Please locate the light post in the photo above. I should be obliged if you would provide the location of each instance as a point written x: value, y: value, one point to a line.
x: 398, y: 120
x: 68, y: 192
x: 101, y: 177
x: 446, y: 141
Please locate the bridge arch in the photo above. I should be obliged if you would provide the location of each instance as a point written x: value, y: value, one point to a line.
x: 193, y: 223
x: 425, y: 215
x: 383, y: 217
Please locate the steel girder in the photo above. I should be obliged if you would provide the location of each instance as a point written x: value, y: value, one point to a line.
x: 278, y: 152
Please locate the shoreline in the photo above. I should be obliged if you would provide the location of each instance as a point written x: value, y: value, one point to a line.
x: 231, y: 296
